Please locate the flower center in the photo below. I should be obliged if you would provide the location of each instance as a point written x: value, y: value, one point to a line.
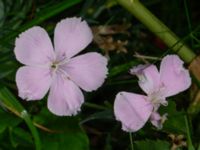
x: 157, y: 99
x: 54, y: 66
x: 58, y: 62
x: 58, y: 68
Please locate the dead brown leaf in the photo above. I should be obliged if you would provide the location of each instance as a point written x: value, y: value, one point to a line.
x: 177, y: 141
x: 103, y: 37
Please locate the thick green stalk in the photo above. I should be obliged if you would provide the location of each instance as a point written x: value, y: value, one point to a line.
x: 158, y: 28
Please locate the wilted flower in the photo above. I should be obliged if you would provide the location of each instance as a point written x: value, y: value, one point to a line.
x: 178, y: 141
x: 57, y: 68
x: 134, y: 110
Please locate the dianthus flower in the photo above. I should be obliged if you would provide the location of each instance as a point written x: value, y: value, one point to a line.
x: 56, y: 68
x: 134, y: 110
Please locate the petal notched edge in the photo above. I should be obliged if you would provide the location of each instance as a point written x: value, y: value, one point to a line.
x: 174, y: 77
x: 71, y: 36
x: 65, y: 98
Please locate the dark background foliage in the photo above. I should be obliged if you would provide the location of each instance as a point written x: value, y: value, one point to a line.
x: 126, y: 42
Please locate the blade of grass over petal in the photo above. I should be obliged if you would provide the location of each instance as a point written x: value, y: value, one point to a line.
x: 11, y: 102
x: 121, y: 68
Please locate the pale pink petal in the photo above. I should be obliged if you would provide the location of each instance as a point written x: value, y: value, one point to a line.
x: 32, y: 82
x: 34, y: 47
x: 88, y: 71
x: 158, y: 120
x: 174, y: 77
x: 149, y: 77
x: 65, y: 98
x: 133, y: 110
x: 71, y: 36
x: 155, y: 119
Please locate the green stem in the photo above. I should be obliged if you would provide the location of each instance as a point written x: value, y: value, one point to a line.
x: 10, y: 101
x: 131, y: 140
x: 189, y: 140
x: 32, y: 128
x: 158, y: 28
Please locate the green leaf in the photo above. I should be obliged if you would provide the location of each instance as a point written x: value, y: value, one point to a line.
x: 66, y: 132
x: 8, y: 99
x: 151, y: 145
x: 19, y: 136
x: 62, y: 141
x: 175, y: 122
x: 7, y: 120
x: 1, y: 13
x: 7, y: 69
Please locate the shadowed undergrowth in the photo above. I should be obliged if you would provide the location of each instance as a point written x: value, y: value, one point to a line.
x: 126, y: 43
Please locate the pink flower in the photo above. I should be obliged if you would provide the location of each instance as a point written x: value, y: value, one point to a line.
x: 134, y: 110
x: 57, y: 68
